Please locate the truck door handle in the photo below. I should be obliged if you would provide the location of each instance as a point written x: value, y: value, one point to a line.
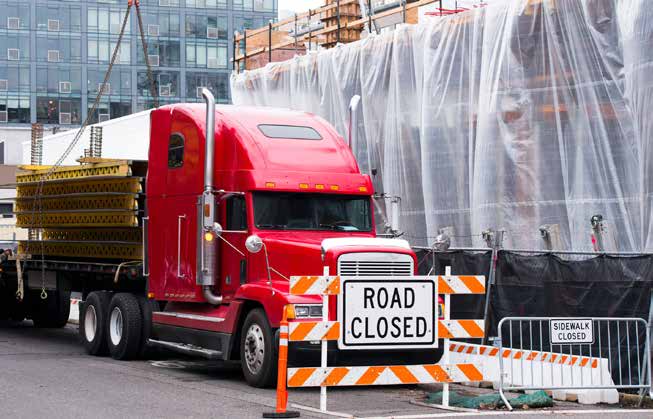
x: 179, y: 220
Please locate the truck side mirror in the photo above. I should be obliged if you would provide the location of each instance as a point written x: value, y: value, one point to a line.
x: 254, y: 244
x: 394, y: 214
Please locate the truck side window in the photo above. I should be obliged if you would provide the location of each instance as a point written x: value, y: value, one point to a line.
x: 176, y: 151
x: 236, y: 213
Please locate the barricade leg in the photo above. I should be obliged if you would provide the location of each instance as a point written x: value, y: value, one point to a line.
x: 282, y: 368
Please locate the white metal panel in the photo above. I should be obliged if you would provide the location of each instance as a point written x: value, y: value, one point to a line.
x: 123, y: 138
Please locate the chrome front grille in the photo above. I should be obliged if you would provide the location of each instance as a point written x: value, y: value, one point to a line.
x: 375, y: 264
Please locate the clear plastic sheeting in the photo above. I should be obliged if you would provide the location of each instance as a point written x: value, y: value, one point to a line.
x: 507, y: 117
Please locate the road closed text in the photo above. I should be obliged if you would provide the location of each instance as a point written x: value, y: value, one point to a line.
x: 388, y: 313
x: 571, y: 331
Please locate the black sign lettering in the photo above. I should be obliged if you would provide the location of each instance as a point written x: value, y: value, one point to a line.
x: 382, y: 327
x: 368, y: 295
x: 421, y: 327
x: 409, y: 297
x: 396, y: 327
x: 353, y: 327
x: 382, y: 298
x: 407, y: 327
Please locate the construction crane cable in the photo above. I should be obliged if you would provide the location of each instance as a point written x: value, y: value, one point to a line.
x: 150, y: 77
x: 39, y: 206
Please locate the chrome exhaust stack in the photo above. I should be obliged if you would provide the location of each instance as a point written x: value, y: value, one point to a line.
x: 208, y: 262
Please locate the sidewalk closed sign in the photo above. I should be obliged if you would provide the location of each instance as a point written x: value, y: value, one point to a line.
x: 571, y: 331
x: 387, y: 313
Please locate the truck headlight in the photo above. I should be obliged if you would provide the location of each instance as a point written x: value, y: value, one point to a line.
x: 302, y: 311
x: 308, y: 311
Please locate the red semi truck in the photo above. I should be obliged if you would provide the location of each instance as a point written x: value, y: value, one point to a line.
x: 230, y: 216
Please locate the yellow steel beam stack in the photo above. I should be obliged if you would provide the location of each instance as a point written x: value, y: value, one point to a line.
x: 85, y: 211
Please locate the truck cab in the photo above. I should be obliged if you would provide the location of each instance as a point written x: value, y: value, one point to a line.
x: 280, y: 178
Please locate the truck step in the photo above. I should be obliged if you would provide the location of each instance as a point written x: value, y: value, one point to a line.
x: 187, y: 349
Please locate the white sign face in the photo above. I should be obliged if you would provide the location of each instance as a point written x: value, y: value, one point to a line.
x: 571, y: 331
x: 387, y: 313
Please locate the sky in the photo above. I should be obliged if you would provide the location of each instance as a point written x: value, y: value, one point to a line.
x: 298, y: 6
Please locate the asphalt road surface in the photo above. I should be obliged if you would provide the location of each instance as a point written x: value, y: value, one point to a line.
x: 47, y: 374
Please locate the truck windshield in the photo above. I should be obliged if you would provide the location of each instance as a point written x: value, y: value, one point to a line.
x: 305, y: 211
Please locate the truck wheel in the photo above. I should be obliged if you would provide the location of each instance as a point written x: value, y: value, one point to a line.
x: 92, y: 322
x: 124, y: 327
x: 147, y: 307
x: 52, y: 312
x: 258, y: 358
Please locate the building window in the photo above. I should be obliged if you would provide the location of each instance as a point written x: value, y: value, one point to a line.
x: 14, y: 109
x: 6, y: 208
x: 205, y: 54
x: 119, y: 84
x: 206, y: 27
x: 58, y: 48
x: 15, y: 47
x: 166, y: 52
x: 50, y: 110
x: 55, y: 18
x: 109, y: 110
x: 167, y: 24
x: 176, y: 151
x: 106, y: 21
x: 49, y: 80
x: 100, y: 50
x: 217, y: 83
x: 2, y: 152
x: 166, y: 84
x: 12, y: 13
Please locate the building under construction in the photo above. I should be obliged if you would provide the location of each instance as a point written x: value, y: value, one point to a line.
x: 336, y: 22
x: 528, y: 116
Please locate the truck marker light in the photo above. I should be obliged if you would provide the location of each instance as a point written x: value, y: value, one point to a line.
x: 290, y: 312
x: 334, y: 187
x: 207, y: 210
x: 319, y: 186
x: 303, y: 186
x: 269, y: 184
x: 362, y: 188
x: 150, y: 295
x: 208, y: 236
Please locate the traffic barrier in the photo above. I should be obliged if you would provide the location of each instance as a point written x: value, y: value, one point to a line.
x: 332, y: 330
x: 592, y: 354
x: 488, y: 356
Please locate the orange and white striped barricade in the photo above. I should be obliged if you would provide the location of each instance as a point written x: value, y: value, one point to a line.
x: 333, y: 330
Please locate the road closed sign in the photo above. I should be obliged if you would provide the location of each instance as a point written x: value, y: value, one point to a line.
x: 388, y: 313
x: 571, y: 331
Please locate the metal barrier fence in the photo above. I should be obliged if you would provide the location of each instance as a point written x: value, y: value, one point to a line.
x: 554, y: 353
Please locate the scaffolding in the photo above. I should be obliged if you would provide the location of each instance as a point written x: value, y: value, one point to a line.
x: 336, y: 22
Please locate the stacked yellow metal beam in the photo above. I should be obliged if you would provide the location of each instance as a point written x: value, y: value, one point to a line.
x: 85, y: 211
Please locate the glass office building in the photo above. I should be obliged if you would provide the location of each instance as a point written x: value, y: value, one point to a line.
x: 54, y: 55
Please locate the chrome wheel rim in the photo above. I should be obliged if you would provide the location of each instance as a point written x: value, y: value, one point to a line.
x: 90, y: 323
x: 115, y: 326
x: 254, y: 348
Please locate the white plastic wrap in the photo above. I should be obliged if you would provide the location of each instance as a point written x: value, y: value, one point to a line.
x: 519, y: 114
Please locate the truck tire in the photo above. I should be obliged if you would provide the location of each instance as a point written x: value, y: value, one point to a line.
x: 258, y: 355
x: 92, y: 322
x: 147, y: 307
x: 124, y: 327
x: 54, y: 311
